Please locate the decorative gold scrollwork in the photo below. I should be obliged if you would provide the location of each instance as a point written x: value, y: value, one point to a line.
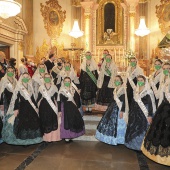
x: 111, y: 36
x: 54, y: 17
x: 163, y: 14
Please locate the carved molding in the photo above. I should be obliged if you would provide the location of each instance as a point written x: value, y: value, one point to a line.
x: 163, y: 14
x: 46, y: 48
x: 20, y: 23
x: 54, y: 17
x: 118, y: 39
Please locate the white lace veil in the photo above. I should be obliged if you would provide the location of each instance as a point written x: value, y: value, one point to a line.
x: 93, y: 65
x: 4, y: 82
x: 113, y: 69
x: 119, y: 92
x: 72, y: 75
x: 146, y: 91
x: 64, y: 91
x: 37, y: 77
x: 18, y: 88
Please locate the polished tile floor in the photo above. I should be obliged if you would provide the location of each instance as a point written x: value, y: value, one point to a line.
x: 74, y: 156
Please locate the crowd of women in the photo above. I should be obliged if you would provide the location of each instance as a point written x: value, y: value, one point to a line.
x: 48, y: 106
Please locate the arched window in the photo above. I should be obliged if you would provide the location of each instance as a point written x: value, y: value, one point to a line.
x: 109, y: 17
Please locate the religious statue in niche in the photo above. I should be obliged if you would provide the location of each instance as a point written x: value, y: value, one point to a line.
x: 109, y: 23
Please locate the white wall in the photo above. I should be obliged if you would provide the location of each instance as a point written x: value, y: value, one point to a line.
x: 40, y: 32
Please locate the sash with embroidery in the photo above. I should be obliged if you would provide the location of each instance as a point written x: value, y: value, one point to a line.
x: 75, y: 87
x: 108, y: 72
x: 153, y: 81
x: 28, y: 97
x: 116, y: 98
x: 141, y: 105
x: 66, y: 93
x: 133, y: 75
x: 46, y: 96
x: 91, y: 75
x: 119, y: 103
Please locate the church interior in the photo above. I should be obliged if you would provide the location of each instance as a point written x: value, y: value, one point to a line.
x: 69, y: 29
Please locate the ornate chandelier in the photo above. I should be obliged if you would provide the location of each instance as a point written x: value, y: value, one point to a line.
x: 142, y: 29
x: 76, y: 32
x: 9, y: 8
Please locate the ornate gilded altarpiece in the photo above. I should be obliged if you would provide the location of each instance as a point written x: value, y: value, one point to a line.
x: 109, y: 25
x: 163, y: 14
x: 54, y: 17
x: 46, y: 48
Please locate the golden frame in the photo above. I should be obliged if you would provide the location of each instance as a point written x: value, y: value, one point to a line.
x: 161, y: 12
x: 54, y: 17
x: 118, y: 22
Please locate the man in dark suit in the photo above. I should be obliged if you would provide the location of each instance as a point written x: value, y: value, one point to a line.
x: 50, y: 62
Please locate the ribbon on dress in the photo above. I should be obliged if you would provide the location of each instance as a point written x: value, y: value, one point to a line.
x: 28, y: 97
x: 108, y: 72
x: 91, y: 75
x: 141, y: 104
x: 46, y: 96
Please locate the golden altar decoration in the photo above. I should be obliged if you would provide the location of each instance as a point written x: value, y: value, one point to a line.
x: 53, y: 47
x: 163, y: 14
x: 54, y: 17
x: 109, y: 34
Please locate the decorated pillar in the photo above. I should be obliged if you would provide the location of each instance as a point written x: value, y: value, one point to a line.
x: 132, y: 12
x: 89, y: 7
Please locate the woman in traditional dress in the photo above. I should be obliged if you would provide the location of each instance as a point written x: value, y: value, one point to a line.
x: 105, y: 83
x: 72, y: 124
x: 68, y: 71
x: 48, y: 110
x: 88, y: 82
x: 56, y: 70
x: 22, y: 125
x: 140, y: 114
x: 7, y: 86
x: 131, y: 77
x: 112, y: 127
x: 156, y: 144
x: 38, y: 78
x: 154, y: 79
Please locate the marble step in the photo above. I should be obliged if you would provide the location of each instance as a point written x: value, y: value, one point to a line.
x: 89, y: 125
x: 88, y: 136
x: 92, y: 118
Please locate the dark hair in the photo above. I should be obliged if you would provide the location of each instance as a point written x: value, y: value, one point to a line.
x: 88, y: 52
x: 51, y: 55
x: 12, y: 61
x: 158, y: 61
x: 41, y: 64
x: 165, y: 64
x: 68, y: 63
x: 106, y: 50
x: 108, y: 55
x: 47, y: 74
x: 25, y: 73
x: 23, y: 59
x: 120, y: 78
x: 11, y: 68
x: 67, y: 78
x: 143, y: 77
x: 132, y: 58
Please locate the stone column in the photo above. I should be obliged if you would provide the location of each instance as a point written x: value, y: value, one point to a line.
x: 88, y: 6
x: 132, y: 11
